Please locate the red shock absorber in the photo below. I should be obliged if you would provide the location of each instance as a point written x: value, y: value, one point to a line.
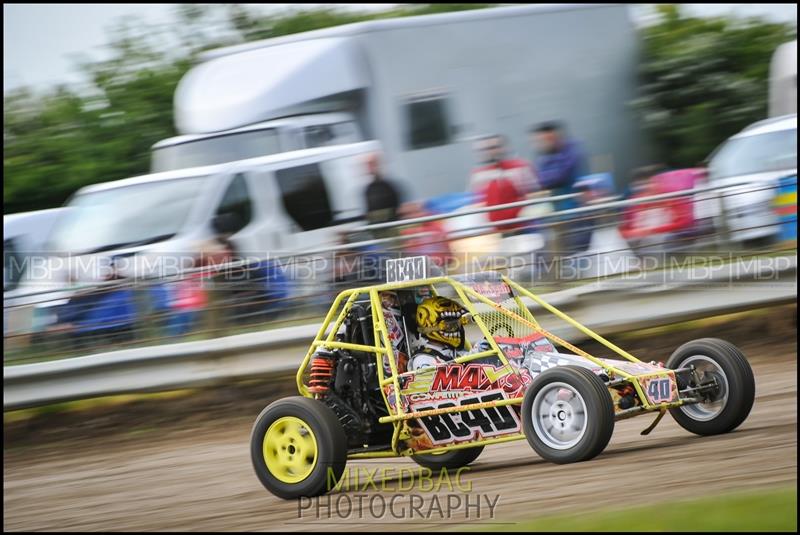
x: 627, y: 397
x: 321, y: 374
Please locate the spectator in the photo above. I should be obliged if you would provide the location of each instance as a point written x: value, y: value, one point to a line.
x: 382, y: 198
x: 500, y: 179
x: 188, y: 300
x: 101, y: 315
x: 559, y: 161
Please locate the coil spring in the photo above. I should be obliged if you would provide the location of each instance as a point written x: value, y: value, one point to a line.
x: 321, y: 374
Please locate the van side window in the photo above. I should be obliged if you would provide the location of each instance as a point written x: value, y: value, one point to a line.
x: 346, y: 132
x: 305, y: 196
x: 319, y: 135
x: 427, y: 121
x: 236, y: 201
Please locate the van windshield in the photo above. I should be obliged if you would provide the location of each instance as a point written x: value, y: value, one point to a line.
x: 125, y: 216
x: 760, y: 153
x: 216, y: 150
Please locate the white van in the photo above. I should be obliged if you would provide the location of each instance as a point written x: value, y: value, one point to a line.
x: 269, y: 206
x: 783, y: 80
x: 24, y: 235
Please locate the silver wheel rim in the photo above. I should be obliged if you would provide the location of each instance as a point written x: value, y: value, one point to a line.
x: 707, y: 410
x: 559, y: 416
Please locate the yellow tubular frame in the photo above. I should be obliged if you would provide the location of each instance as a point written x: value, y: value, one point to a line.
x: 383, y: 350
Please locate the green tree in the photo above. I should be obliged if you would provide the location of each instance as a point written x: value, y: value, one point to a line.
x: 703, y: 80
x: 56, y: 142
x: 253, y: 26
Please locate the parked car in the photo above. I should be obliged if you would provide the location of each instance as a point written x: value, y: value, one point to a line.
x: 753, y: 162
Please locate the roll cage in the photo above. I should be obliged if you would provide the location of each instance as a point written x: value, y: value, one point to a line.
x: 487, y: 315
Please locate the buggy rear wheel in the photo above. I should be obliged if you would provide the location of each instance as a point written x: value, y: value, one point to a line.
x: 450, y: 460
x: 298, y: 448
x: 568, y: 415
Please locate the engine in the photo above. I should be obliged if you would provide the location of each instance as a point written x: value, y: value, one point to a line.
x: 347, y: 382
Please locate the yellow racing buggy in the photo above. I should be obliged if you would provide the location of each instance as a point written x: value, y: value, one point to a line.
x: 373, y: 384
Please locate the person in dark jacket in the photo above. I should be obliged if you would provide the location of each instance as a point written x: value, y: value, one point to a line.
x: 382, y: 197
x: 383, y: 204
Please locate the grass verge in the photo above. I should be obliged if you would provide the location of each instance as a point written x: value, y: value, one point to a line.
x: 765, y: 510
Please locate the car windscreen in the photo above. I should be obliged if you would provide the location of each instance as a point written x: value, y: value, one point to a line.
x: 760, y: 153
x: 125, y: 216
x: 216, y: 150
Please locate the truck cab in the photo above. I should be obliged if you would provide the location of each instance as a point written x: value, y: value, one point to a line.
x: 252, y: 141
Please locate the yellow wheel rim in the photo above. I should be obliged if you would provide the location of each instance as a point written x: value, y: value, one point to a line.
x: 290, y: 449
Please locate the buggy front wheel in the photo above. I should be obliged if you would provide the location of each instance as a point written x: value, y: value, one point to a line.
x: 727, y: 404
x: 298, y: 448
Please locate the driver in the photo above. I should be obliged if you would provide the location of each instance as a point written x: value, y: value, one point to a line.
x: 440, y: 323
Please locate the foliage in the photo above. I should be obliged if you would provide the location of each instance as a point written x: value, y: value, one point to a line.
x: 252, y: 27
x: 57, y: 142
x: 703, y: 80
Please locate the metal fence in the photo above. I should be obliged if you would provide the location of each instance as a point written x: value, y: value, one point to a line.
x: 550, y: 249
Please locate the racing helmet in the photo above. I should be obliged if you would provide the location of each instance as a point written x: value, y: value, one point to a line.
x: 442, y: 319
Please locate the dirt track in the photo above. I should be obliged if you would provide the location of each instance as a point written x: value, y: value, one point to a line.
x: 199, y: 477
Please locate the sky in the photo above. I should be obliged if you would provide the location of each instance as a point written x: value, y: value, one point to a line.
x: 43, y: 42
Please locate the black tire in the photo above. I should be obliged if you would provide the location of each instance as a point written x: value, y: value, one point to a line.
x: 599, y: 415
x: 451, y: 460
x: 740, y: 386
x: 331, y: 447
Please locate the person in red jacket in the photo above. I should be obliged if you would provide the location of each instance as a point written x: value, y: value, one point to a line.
x: 501, y: 179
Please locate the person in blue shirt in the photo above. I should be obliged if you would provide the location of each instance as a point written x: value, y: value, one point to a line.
x: 559, y: 161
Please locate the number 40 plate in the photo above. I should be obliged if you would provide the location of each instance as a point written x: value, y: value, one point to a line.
x: 660, y: 389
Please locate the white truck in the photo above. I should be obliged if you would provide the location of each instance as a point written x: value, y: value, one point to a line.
x: 783, y: 80
x: 422, y: 86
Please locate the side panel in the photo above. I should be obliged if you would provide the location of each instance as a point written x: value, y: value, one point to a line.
x: 502, y: 75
